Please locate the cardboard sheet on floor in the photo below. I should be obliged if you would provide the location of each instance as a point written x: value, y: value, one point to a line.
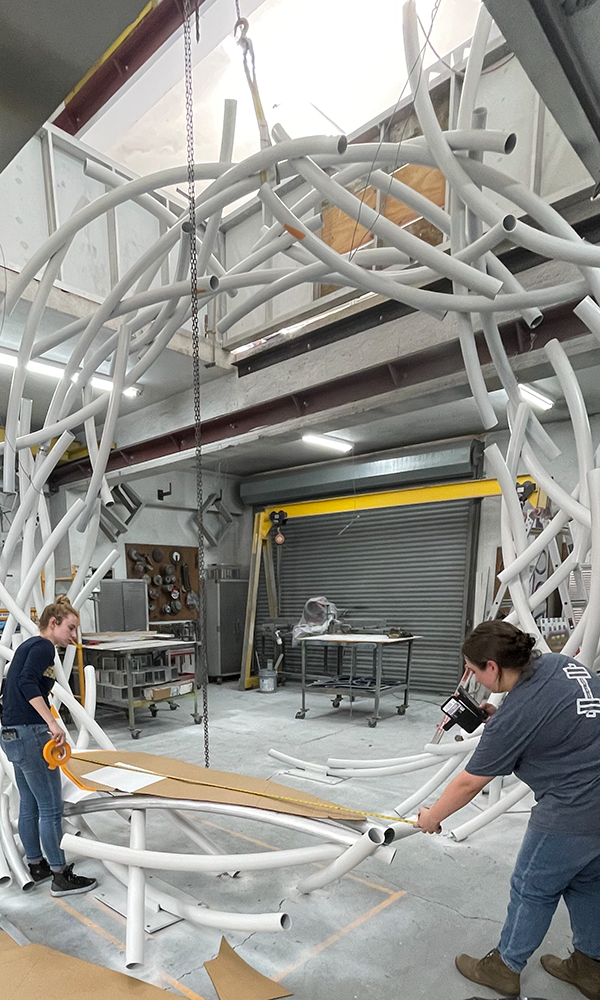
x: 6, y: 942
x: 189, y: 781
x: 40, y: 973
x: 234, y: 979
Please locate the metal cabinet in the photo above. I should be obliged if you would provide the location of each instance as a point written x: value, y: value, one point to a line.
x: 225, y: 616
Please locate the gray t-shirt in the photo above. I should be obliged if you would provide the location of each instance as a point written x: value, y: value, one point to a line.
x: 547, y: 731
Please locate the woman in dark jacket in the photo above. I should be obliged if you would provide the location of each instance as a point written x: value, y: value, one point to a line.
x: 547, y: 732
x: 27, y: 725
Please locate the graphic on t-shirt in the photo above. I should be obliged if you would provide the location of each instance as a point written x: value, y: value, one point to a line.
x: 589, y: 705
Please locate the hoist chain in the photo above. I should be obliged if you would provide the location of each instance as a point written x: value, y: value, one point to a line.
x: 189, y: 6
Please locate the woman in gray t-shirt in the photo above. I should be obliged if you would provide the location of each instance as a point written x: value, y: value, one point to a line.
x: 547, y: 732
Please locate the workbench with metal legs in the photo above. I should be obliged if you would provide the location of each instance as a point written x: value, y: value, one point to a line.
x: 378, y: 642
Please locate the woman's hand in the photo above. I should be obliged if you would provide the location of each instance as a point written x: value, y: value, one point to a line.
x: 425, y: 823
x: 489, y: 709
x: 57, y: 733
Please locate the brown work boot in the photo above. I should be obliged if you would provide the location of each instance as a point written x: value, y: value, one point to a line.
x: 578, y: 969
x: 490, y: 971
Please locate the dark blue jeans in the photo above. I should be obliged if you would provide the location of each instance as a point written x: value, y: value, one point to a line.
x: 551, y: 865
x: 40, y: 809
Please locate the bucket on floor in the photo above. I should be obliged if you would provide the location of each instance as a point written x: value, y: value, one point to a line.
x: 267, y: 679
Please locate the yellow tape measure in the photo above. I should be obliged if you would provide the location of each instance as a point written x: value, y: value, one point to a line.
x: 59, y: 756
x: 232, y: 788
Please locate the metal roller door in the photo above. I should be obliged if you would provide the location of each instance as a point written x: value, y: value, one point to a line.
x: 408, y: 565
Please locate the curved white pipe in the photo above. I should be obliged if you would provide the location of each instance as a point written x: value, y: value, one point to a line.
x: 409, y: 804
x: 136, y: 895
x: 492, y: 812
x: 589, y: 312
x: 87, y: 555
x: 578, y: 413
x: 201, y: 916
x: 9, y: 847
x: 285, y: 758
x: 591, y: 636
x: 556, y: 492
x: 80, y: 599
x: 379, y: 772
x: 41, y: 473
x: 363, y: 848
x: 331, y: 830
x: 110, y: 422
x: 5, y: 872
x: 195, y: 863
x: 393, y: 234
x: 82, y: 718
x: 83, y: 736
x: 340, y: 763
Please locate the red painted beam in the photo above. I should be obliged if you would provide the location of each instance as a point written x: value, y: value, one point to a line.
x: 145, y: 39
x: 414, y: 369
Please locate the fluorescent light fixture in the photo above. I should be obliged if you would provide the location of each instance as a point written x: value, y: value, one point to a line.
x: 535, y: 398
x: 325, y: 441
x: 57, y: 372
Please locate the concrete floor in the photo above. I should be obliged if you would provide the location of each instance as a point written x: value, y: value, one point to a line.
x: 383, y: 931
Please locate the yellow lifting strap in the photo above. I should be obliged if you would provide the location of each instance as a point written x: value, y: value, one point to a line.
x: 247, y: 48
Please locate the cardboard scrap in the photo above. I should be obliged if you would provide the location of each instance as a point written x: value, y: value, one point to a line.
x: 6, y: 942
x: 189, y: 781
x: 234, y: 979
x: 40, y: 973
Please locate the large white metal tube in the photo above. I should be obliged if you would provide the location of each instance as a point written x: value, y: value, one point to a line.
x: 393, y: 234
x: 198, y: 863
x: 5, y: 872
x: 578, y: 413
x: 136, y: 895
x: 171, y: 901
x: 535, y: 549
x: 80, y: 599
x: 589, y: 312
x: 285, y: 758
x: 9, y: 847
x: 341, y: 763
x: 331, y: 830
x: 379, y: 772
x: 508, y: 800
x: 81, y: 716
x: 87, y: 555
x: 363, y: 848
x: 20, y: 373
x: 409, y: 804
x: 17, y: 612
x: 556, y: 492
x: 110, y: 422
x: 43, y: 469
x: 468, y: 97
x: 83, y: 736
x: 591, y: 636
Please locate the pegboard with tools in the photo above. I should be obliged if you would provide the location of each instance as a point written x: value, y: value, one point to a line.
x: 171, y: 573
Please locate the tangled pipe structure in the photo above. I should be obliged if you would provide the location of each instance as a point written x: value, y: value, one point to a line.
x: 150, y: 315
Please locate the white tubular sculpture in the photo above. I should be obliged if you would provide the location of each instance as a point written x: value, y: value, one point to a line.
x: 150, y: 314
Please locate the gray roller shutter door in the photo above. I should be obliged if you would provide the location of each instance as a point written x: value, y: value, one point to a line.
x: 409, y: 565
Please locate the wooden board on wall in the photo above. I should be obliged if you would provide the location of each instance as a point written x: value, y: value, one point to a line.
x: 155, y: 567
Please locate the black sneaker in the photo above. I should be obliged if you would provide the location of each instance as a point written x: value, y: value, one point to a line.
x: 67, y: 883
x: 40, y: 871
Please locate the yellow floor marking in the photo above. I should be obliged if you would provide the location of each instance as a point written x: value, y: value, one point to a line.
x: 184, y: 990
x: 90, y: 924
x: 313, y: 952
x: 317, y: 864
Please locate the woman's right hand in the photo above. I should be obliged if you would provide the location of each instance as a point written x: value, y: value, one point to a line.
x: 57, y: 733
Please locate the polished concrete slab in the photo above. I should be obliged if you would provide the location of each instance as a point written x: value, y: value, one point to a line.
x: 382, y: 931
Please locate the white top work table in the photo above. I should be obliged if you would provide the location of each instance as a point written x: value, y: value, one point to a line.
x: 136, y: 679
x: 352, y: 687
